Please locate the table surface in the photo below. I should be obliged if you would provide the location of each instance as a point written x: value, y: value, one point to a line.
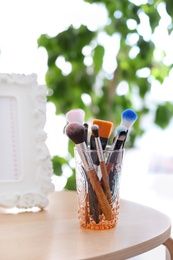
x: 54, y: 233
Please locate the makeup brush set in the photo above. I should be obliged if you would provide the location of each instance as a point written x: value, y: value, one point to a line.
x: 98, y: 165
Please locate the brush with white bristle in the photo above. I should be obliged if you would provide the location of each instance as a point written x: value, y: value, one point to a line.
x: 75, y: 115
x: 76, y: 132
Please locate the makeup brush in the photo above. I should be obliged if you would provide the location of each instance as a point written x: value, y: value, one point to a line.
x: 75, y: 115
x: 105, y: 130
x: 121, y: 133
x: 128, y: 117
x: 76, y: 132
x: 95, y: 131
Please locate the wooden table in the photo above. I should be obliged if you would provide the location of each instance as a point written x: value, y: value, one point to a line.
x: 54, y: 233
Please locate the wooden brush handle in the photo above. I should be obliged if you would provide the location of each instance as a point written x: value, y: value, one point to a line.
x: 102, y: 199
x: 93, y: 202
x: 87, y: 219
x: 105, y: 180
x: 108, y: 167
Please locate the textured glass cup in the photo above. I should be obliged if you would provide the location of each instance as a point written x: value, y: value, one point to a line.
x: 98, y: 185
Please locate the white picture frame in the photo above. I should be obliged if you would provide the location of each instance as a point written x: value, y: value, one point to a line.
x: 25, y: 163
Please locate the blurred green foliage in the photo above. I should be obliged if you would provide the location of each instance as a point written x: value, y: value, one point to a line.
x: 76, y: 46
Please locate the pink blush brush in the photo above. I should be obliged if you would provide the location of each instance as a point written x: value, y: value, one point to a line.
x: 75, y: 115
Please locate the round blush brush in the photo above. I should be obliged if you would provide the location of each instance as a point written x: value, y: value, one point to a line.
x: 75, y: 115
x: 76, y: 132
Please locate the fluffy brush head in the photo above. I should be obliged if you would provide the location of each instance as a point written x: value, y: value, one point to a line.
x: 75, y: 115
x: 128, y: 117
x: 95, y: 130
x: 105, y: 127
x: 76, y: 132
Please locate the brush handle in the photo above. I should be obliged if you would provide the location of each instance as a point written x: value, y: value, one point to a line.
x: 94, y: 180
x: 85, y: 156
x: 114, y: 169
x: 111, y: 161
x: 104, y: 142
x: 94, y: 155
x: 93, y: 202
x: 105, y: 180
x: 108, y: 167
x: 112, y: 157
x: 125, y: 138
x: 103, y: 169
x: 102, y: 199
x: 86, y: 133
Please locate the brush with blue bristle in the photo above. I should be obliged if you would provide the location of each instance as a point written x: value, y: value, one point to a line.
x: 128, y: 118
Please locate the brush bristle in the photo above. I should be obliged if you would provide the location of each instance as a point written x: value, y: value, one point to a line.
x: 128, y: 117
x: 76, y: 132
x: 105, y: 127
x: 95, y: 130
x: 75, y: 115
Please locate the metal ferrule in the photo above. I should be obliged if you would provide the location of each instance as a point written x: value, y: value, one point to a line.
x: 85, y: 156
x: 99, y: 149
